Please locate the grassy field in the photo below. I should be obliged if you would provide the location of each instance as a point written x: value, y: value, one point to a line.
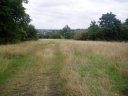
x: 64, y: 68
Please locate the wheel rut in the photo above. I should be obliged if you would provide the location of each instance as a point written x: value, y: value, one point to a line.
x: 53, y: 84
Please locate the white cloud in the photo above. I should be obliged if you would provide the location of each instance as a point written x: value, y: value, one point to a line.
x: 55, y: 14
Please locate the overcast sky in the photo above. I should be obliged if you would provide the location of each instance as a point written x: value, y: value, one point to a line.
x: 55, y: 14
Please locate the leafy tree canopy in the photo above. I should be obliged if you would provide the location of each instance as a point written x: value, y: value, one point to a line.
x: 126, y: 21
x: 109, y: 20
x: 13, y: 21
x: 111, y: 26
x: 66, y: 32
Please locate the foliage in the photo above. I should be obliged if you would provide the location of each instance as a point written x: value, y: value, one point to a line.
x: 124, y: 32
x: 14, y: 21
x: 78, y: 35
x: 109, y: 28
x: 93, y: 32
x: 31, y: 32
x: 49, y: 35
x: 126, y: 21
x: 66, y: 32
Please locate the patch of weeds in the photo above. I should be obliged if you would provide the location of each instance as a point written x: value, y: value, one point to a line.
x: 86, y: 69
x: 91, y: 74
x: 13, y: 66
x: 112, y: 73
x: 124, y: 85
x: 120, y: 81
x: 93, y: 64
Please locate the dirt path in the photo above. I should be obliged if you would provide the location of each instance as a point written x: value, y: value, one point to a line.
x: 52, y: 85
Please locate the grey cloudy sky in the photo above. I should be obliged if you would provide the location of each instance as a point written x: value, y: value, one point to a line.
x: 55, y: 14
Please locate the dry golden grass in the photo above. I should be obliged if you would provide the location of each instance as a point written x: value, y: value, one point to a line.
x: 64, y: 68
x: 33, y: 77
x: 87, y: 65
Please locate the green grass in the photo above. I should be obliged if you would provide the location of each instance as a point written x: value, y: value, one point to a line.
x: 12, y: 66
x: 58, y: 63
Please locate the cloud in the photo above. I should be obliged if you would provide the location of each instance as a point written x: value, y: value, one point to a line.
x: 55, y: 14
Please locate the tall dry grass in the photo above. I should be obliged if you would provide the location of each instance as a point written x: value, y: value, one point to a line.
x: 25, y: 68
x: 72, y: 68
x: 95, y: 68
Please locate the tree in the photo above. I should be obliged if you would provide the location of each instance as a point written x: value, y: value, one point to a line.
x: 93, y: 32
x: 66, y: 32
x: 93, y: 25
x: 31, y: 33
x: 124, y: 32
x: 13, y: 21
x: 111, y: 26
x: 126, y: 21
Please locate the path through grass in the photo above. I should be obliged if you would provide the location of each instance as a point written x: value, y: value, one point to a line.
x: 64, y: 68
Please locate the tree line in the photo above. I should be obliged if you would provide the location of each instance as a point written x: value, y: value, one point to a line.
x: 108, y: 28
x: 14, y: 22
x: 15, y: 26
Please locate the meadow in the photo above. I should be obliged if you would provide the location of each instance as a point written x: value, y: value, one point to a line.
x: 50, y: 67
